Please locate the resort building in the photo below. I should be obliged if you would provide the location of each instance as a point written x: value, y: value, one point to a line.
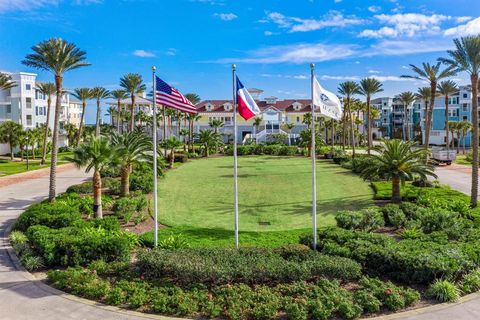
x: 23, y: 104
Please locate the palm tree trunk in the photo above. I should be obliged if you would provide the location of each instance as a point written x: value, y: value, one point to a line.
x: 125, y: 180
x: 119, y: 108
x: 474, y: 192
x: 11, y: 151
x: 369, y: 125
x: 97, y: 122
x: 352, y: 137
x: 56, y: 124
x: 80, y: 128
x: 463, y: 142
x: 164, y: 120
x: 447, y: 142
x: 396, y: 195
x: 132, y: 113
x: 206, y: 151
x: 172, y: 158
x: 333, y: 134
x: 433, y: 91
x: 97, y: 195
x: 45, y: 134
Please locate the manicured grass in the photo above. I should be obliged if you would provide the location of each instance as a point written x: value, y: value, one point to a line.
x: 274, y: 193
x: 8, y: 167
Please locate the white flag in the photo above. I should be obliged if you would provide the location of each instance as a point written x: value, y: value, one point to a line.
x: 329, y: 104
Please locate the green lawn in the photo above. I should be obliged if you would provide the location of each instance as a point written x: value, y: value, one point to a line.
x: 274, y: 193
x: 8, y: 167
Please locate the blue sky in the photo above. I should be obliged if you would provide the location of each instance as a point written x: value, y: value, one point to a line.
x: 193, y: 42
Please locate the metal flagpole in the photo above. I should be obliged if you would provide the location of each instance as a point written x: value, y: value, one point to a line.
x: 314, y: 169
x: 155, y: 204
x: 235, y: 185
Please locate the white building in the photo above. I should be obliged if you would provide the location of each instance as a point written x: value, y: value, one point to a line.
x: 23, y: 104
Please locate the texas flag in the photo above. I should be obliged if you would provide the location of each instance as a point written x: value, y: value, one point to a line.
x: 247, y: 107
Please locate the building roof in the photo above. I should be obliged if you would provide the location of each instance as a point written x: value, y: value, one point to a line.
x: 280, y: 105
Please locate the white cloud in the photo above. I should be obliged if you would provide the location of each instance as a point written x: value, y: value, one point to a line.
x: 171, y: 52
x: 357, y: 78
x: 341, y: 78
x: 29, y: 5
x: 295, y: 24
x: 268, y: 33
x: 374, y: 71
x: 296, y: 53
x: 405, y: 24
x: 462, y: 19
x: 374, y: 8
x: 297, y: 77
x: 300, y: 77
x: 405, y: 47
x: 470, y: 28
x: 143, y: 54
x: 226, y: 16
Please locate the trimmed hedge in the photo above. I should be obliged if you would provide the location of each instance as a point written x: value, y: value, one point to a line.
x: 264, y: 149
x: 53, y: 215
x: 247, y: 265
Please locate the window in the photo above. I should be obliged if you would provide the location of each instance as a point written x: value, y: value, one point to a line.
x: 28, y: 87
x: 465, y: 107
x: 44, y: 111
x: 465, y: 118
x: 465, y: 95
x: 29, y: 119
x: 9, y: 108
x: 298, y: 119
x: 29, y: 103
x: 36, y: 111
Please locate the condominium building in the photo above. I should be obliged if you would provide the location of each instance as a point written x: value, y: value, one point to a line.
x: 25, y: 105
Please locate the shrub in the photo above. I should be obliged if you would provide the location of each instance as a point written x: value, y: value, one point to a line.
x: 394, y: 216
x: 113, y: 185
x: 368, y: 219
x: 18, y: 238
x: 443, y: 291
x: 79, y: 246
x: 251, y: 265
x: 32, y: 263
x: 173, y: 242
x: 367, y: 301
x: 141, y: 181
x: 82, y: 188
x: 437, y: 220
x: 53, y: 215
x: 179, y: 157
x: 471, y: 282
x: 131, y: 208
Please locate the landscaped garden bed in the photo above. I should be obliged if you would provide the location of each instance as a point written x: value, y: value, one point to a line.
x: 375, y: 260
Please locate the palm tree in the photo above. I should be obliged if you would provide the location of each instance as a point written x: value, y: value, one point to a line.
x: 171, y: 144
x: 48, y: 89
x: 58, y: 56
x: 452, y: 128
x: 257, y: 121
x: 207, y: 138
x: 184, y: 133
x: 119, y: 95
x: 9, y: 133
x: 407, y: 99
x: 72, y: 133
x: 447, y: 88
x: 192, y: 118
x: 216, y: 124
x: 133, y: 85
x: 396, y: 161
x: 82, y: 94
x: 369, y: 87
x: 424, y: 94
x: 466, y: 127
x: 432, y: 74
x: 131, y: 148
x: 193, y: 98
x: 99, y: 93
x: 6, y: 82
x: 96, y: 154
x: 458, y: 130
x: 348, y: 89
x: 289, y: 127
x: 466, y: 58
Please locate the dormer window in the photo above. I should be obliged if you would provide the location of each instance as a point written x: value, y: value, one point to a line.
x: 297, y: 106
x: 271, y: 100
x: 209, y: 107
x: 228, y: 106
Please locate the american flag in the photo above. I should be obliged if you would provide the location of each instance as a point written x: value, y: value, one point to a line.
x: 170, y: 97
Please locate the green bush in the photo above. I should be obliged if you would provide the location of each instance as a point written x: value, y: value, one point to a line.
x: 367, y: 219
x: 141, y: 181
x: 18, y: 238
x: 443, y: 291
x: 394, y: 216
x: 53, y: 215
x: 437, y: 220
x: 173, y: 242
x: 82, y: 188
x: 253, y: 265
x: 31, y: 262
x: 80, y: 245
x: 471, y: 282
x: 131, y: 208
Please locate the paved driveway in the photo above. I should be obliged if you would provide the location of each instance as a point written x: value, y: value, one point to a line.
x: 459, y: 177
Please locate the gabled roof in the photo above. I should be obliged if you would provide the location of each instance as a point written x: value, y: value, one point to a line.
x: 280, y: 105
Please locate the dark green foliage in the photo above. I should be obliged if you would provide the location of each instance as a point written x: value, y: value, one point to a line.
x: 82, y: 188
x: 253, y: 265
x: 471, y: 282
x: 264, y: 149
x: 443, y: 291
x: 394, y: 216
x: 142, y: 180
x: 79, y: 245
x: 53, y: 215
x: 368, y: 219
x: 131, y: 208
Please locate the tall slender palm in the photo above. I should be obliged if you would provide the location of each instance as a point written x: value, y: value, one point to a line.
x: 96, y: 154
x: 466, y: 57
x: 57, y: 56
x: 133, y: 85
x: 72, y: 132
x: 348, y: 89
x: 466, y: 127
x: 99, y: 93
x: 407, y: 99
x: 257, y: 121
x: 423, y: 94
x: 216, y: 124
x: 192, y: 118
x: 9, y: 133
x: 447, y: 88
x: 193, y: 98
x: 131, y: 148
x: 6, y: 81
x: 207, y: 138
x: 184, y: 133
x: 171, y: 144
x: 82, y: 94
x: 396, y: 161
x: 432, y: 74
x: 369, y: 87
x: 119, y: 95
x: 48, y: 89
x: 452, y: 127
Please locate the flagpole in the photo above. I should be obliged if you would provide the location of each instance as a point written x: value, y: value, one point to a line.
x: 235, y: 184
x: 155, y: 204
x: 314, y: 169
